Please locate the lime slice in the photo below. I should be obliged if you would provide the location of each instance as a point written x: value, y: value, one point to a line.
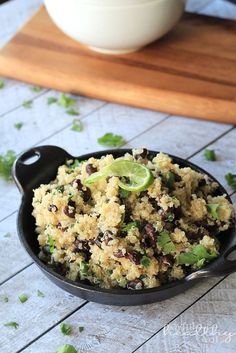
x: 134, y: 176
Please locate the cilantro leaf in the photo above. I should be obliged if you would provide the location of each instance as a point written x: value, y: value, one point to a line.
x: 187, y: 258
x: 12, y: 324
x: 52, y: 100
x: 81, y: 329
x: 212, y: 209
x: 66, y: 348
x: 169, y: 247
x: 127, y: 227
x: 165, y: 242
x: 111, y: 140
x: 124, y: 193
x: 197, y: 256
x: 77, y: 125
x: 72, y: 112
x: 145, y: 261
x: 18, y: 126
x: 65, y: 329
x: 2, y: 84
x: 23, y: 298
x: 36, y: 89
x: 66, y: 101
x: 84, y: 268
x: 169, y: 179
x: 40, y: 294
x: 51, y: 243
x: 27, y: 104
x: 210, y: 155
x: 6, y: 163
x: 231, y: 180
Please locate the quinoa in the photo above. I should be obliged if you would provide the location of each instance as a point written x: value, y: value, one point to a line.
x: 115, y: 239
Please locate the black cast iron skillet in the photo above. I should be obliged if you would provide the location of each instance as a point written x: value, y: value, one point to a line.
x: 43, y: 170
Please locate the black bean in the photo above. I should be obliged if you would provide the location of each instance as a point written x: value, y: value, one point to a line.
x: 135, y: 284
x: 141, y: 155
x: 59, y: 226
x: 119, y: 254
x: 134, y: 257
x: 201, y: 183
x: 90, y: 169
x: 169, y: 226
x: 81, y: 245
x: 178, y: 178
x: 52, y: 208
x: 167, y: 260
x: 154, y: 203
x: 69, y: 211
x: 72, y: 203
x: 86, y: 195
x: 77, y: 183
x: 151, y: 234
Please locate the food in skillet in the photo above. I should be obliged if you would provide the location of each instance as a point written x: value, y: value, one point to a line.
x: 134, y: 222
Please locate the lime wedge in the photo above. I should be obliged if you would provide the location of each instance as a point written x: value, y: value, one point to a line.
x: 134, y: 176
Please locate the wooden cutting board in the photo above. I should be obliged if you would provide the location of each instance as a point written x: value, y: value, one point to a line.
x: 190, y: 72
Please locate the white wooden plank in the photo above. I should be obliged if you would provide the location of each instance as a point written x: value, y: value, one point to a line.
x: 220, y: 8
x: 180, y: 136
x: 37, y: 314
x: 225, y: 149
x: 122, y: 328
x: 195, y: 6
x: 13, y: 256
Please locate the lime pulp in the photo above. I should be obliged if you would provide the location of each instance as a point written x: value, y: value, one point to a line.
x: 133, y: 176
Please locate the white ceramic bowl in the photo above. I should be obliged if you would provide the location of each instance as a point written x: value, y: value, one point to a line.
x: 115, y: 26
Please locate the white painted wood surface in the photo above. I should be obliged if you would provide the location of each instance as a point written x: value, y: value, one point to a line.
x: 107, y: 328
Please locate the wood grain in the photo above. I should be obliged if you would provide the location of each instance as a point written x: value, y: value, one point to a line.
x: 189, y: 72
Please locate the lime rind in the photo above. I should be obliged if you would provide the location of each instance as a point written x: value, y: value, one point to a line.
x: 139, y: 175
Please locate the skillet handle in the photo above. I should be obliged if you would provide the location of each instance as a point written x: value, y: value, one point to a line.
x: 40, y: 161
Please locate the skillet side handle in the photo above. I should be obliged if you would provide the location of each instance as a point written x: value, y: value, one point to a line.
x: 33, y: 164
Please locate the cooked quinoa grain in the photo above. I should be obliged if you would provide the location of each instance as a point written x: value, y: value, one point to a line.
x: 115, y: 238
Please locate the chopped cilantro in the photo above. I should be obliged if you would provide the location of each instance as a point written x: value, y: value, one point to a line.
x: 145, y: 261
x: 36, y: 89
x: 127, y: 227
x: 165, y: 242
x: 65, y: 329
x: 210, y: 155
x: 84, y: 268
x: 18, y: 126
x: 170, y: 217
x: 7, y: 235
x: 60, y: 188
x: 197, y: 256
x: 72, y: 112
x: 75, y: 164
x: 66, y: 348
x: 231, y: 180
x: 169, y: 179
x: 111, y: 140
x: 66, y: 101
x: 77, y: 125
x: 51, y: 243
x: 12, y: 324
x: 27, y: 104
x: 6, y: 163
x: 23, y: 298
x: 124, y: 193
x: 40, y: 294
x: 2, y: 84
x: 52, y: 100
x: 212, y: 209
x: 81, y: 329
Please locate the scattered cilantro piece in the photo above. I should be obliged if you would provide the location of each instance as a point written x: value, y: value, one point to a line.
x: 84, y: 268
x: 72, y: 112
x: 7, y: 235
x: 165, y: 242
x: 66, y: 101
x: 145, y: 261
x: 111, y: 140
x: 65, y: 329
x: 169, y: 179
x: 124, y: 193
x: 127, y: 227
x: 231, y: 180
x: 60, y: 188
x: 23, y: 298
x: 27, y: 104
x: 212, y: 209
x: 36, y: 89
x: 51, y: 243
x: 2, y: 84
x: 75, y: 164
x: 18, y: 126
x: 52, y: 100
x: 210, y: 155
x: 77, y: 125
x: 171, y: 217
x: 202, y: 253
x: 40, y: 294
x: 12, y: 324
x: 81, y: 329
x: 6, y: 163
x: 197, y: 256
x: 66, y: 348
x: 4, y: 298
x: 187, y: 258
